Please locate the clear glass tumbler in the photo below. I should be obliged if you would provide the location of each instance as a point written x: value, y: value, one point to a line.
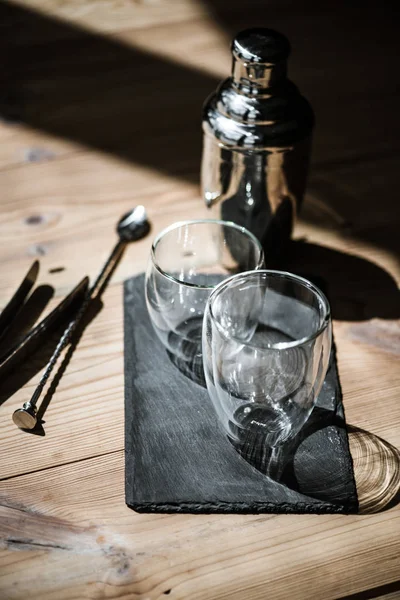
x: 266, y: 349
x: 187, y: 260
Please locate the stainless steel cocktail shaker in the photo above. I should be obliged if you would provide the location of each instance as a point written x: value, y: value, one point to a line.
x: 257, y: 140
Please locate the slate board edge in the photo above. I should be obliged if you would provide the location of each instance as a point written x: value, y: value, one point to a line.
x: 129, y: 366
x: 240, y: 508
x: 345, y: 430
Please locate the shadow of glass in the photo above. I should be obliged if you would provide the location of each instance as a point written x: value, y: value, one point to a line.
x: 357, y: 289
x: 376, y: 466
x: 191, y: 368
x: 297, y: 465
x: 339, y: 201
x: 185, y: 350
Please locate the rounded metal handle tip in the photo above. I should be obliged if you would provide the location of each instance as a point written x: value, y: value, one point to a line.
x: 25, y: 417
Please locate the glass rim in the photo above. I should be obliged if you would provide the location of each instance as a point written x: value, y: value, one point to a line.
x: 178, y: 225
x: 326, y: 317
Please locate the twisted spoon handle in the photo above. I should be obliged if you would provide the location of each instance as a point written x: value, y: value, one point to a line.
x: 71, y: 327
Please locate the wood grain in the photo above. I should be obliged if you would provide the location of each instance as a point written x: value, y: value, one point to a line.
x: 81, y: 520
x: 110, y: 16
x: 106, y: 106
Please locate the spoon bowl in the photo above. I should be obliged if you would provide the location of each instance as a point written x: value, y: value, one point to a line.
x: 133, y: 225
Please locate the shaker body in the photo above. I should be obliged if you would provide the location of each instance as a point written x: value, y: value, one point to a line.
x: 262, y: 191
x: 257, y: 132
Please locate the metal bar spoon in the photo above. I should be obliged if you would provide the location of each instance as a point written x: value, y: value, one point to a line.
x: 132, y: 227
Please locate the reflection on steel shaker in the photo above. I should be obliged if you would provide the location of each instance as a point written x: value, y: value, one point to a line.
x: 257, y: 141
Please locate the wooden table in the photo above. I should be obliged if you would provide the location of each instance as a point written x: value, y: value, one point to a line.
x: 101, y: 104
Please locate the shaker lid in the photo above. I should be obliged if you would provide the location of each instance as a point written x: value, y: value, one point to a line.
x: 260, y: 45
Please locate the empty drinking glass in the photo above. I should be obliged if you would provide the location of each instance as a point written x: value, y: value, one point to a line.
x: 266, y: 349
x: 187, y: 260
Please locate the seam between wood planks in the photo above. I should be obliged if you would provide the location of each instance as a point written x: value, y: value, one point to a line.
x: 62, y: 464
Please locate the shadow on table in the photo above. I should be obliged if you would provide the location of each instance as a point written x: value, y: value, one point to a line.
x: 28, y: 367
x: 382, y: 591
x: 376, y: 464
x: 96, y: 90
x: 341, y: 142
x: 26, y: 317
x: 23, y: 371
x: 191, y: 368
x: 357, y: 289
x: 99, y: 91
x: 297, y: 463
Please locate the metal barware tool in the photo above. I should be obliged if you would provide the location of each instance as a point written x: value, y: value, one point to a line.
x: 132, y: 227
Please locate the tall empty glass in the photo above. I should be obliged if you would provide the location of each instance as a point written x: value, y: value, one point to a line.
x: 266, y: 349
x: 187, y: 260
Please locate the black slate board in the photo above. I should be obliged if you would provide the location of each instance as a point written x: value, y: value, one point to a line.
x: 177, y: 458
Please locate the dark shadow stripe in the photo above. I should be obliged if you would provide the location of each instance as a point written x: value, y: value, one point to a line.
x: 376, y: 592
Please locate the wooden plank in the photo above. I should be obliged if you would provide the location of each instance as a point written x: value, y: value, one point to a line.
x: 78, y: 517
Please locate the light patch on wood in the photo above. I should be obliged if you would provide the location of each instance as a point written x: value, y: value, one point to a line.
x: 384, y: 335
x: 25, y: 529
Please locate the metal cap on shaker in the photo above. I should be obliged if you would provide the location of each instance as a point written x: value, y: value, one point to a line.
x: 259, y: 58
